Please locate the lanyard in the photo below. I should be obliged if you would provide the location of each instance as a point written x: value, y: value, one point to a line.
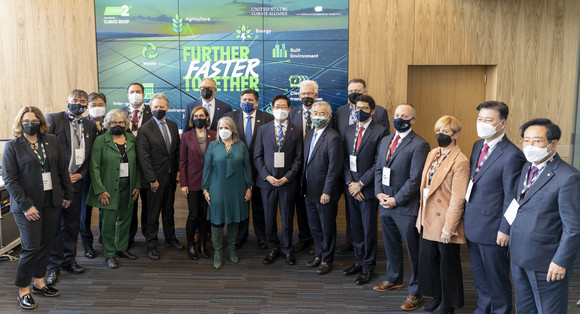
x: 534, y: 178
x: 356, y: 132
x: 435, y: 165
x: 125, y: 150
x: 42, y: 158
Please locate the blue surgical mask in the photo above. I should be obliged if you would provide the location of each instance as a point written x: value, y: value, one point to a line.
x: 247, y: 107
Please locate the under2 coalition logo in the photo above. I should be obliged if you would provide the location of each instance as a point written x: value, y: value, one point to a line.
x: 116, y: 15
x: 244, y: 32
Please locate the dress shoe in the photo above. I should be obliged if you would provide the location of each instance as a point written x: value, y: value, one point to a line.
x: 192, y: 253
x: 290, y: 259
x: 271, y: 257
x: 90, y: 253
x: 111, y: 262
x: 203, y: 250
x: 174, y: 244
x: 73, y: 268
x: 345, y: 250
x: 240, y: 242
x: 432, y: 305
x: 46, y: 291
x: 262, y: 245
x: 314, y: 262
x: 26, y: 302
x: 386, y: 286
x: 411, y: 303
x: 353, y: 269
x: 52, y: 277
x: 126, y: 254
x: 153, y: 254
x: 301, y: 246
x: 324, y: 268
x: 364, y: 277
x: 443, y: 310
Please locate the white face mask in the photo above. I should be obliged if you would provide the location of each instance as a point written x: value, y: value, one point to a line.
x: 535, y: 154
x: 485, y: 130
x: 225, y: 134
x: 97, y: 112
x: 135, y: 98
x: 280, y: 114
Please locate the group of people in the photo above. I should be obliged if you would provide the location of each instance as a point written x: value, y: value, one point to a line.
x: 299, y: 161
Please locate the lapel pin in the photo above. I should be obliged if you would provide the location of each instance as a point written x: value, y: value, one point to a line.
x: 257, y: 120
x: 548, y: 174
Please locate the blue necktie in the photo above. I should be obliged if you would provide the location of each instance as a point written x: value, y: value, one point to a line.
x: 312, y: 145
x: 249, y: 131
x: 280, y: 133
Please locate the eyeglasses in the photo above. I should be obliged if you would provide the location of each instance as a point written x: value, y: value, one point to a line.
x: 365, y: 109
x: 199, y: 116
x: 210, y: 87
x: 307, y: 94
x: 115, y: 123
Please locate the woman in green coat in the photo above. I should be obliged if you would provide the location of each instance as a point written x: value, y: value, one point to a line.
x: 115, y: 182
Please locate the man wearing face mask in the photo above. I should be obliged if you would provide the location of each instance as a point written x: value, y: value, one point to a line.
x: 278, y: 160
x: 361, y: 146
x: 158, y: 152
x: 496, y: 164
x: 75, y: 136
x: 323, y: 163
x: 248, y: 120
x: 215, y: 107
x: 545, y: 230
x: 139, y: 113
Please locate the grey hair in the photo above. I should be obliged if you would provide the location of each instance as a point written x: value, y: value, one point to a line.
x: 159, y: 96
x: 323, y: 104
x: 229, y: 123
x: 114, y: 115
x: 311, y: 83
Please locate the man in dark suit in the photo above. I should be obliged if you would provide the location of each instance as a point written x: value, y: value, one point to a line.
x: 361, y: 145
x: 545, y: 235
x: 398, y: 170
x: 215, y: 107
x: 496, y: 164
x: 248, y: 120
x: 158, y: 151
x: 323, y: 159
x: 139, y: 113
x: 75, y: 136
x: 278, y: 160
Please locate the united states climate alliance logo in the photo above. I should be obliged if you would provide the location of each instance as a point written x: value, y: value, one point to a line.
x: 244, y: 32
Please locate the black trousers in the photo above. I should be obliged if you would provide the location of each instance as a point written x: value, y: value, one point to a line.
x: 197, y: 217
x: 302, y: 216
x: 87, y: 237
x: 36, y: 239
x: 135, y: 217
x: 160, y: 202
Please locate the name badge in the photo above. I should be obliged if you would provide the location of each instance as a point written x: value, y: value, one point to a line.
x: 124, y: 171
x: 468, y: 193
x: 79, y: 156
x: 386, y: 176
x: 352, y: 163
x: 47, y: 181
x: 279, y: 160
x: 425, y: 193
x: 512, y: 211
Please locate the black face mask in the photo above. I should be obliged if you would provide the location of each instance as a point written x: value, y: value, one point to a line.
x: 199, y: 123
x: 117, y: 130
x: 307, y: 101
x: 76, y: 109
x: 443, y: 140
x: 206, y: 93
x: 31, y: 128
x: 159, y: 114
x: 353, y: 96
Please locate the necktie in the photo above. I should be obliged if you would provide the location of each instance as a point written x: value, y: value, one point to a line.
x: 76, y: 143
x: 135, y: 121
x: 99, y: 127
x: 359, y: 137
x: 483, y: 153
x: 312, y: 145
x: 393, y: 147
x: 308, y: 120
x: 532, y: 174
x: 207, y: 105
x: 249, y: 130
x: 280, y: 136
x: 166, y: 135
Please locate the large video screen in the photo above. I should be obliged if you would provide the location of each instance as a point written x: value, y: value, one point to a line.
x: 270, y: 46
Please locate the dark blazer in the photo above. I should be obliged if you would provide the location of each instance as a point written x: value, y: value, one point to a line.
x: 547, y: 228
x: 102, y: 131
x: 406, y: 165
x: 324, y: 167
x: 493, y: 190
x: 366, y: 153
x: 381, y: 117
x: 147, y: 115
x: 153, y: 156
x: 295, y: 117
x: 191, y: 160
x: 22, y: 174
x: 221, y: 108
x: 265, y: 147
x: 59, y: 125
x: 262, y: 118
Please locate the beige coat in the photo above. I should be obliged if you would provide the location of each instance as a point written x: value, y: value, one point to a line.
x: 444, y: 205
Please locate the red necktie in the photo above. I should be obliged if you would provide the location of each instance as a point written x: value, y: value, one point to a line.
x: 359, y: 137
x: 483, y: 153
x: 135, y: 120
x: 393, y: 147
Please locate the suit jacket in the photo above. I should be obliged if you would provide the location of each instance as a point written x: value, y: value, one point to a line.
x: 191, y: 160
x: 156, y: 162
x: 295, y: 117
x: 443, y: 207
x: 365, y: 157
x: 105, y: 171
x: 324, y: 167
x: 265, y: 147
x: 102, y: 131
x: 380, y: 116
x: 493, y: 190
x: 59, y: 125
x: 406, y: 165
x: 547, y: 227
x: 22, y: 174
x: 147, y: 115
x: 221, y: 108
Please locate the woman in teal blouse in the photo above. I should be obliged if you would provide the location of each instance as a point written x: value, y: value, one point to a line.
x: 227, y: 187
x: 115, y: 182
